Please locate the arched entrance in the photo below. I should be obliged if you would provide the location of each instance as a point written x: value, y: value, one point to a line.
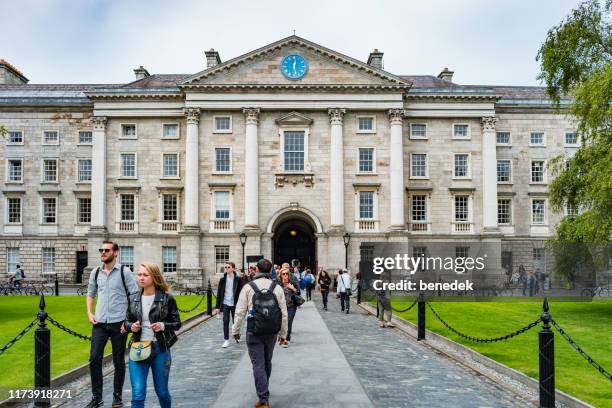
x: 294, y: 238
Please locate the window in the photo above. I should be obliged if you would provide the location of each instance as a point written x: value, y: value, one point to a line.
x: 538, y: 211
x: 461, y: 131
x: 571, y: 139
x: 50, y: 137
x: 169, y: 259
x: 128, y: 131
x: 221, y: 257
x: 365, y: 124
x: 223, y: 124
x: 462, y: 252
x: 366, y: 253
x: 504, y: 211
x: 170, y: 207
x: 366, y: 205
x: 12, y: 259
x: 15, y: 137
x: 170, y: 165
x: 49, y: 210
x: 418, y: 131
x: 85, y: 137
x: 126, y: 256
x: 366, y: 160
x: 462, y: 213
x: 419, y: 208
x: 572, y: 209
x: 537, y: 171
x: 84, y: 210
x: 222, y: 205
x: 48, y: 260
x: 504, y: 173
x: 50, y: 170
x: 13, y: 210
x: 223, y: 162
x: 170, y: 131
x: 128, y: 165
x: 502, y: 138
x: 538, y: 254
x: 84, y: 170
x: 418, y: 165
x: 294, y: 151
x: 537, y: 139
x: 127, y: 210
x: 15, y: 170
x: 461, y: 168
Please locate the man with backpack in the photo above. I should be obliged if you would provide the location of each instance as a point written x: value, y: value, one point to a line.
x: 19, y: 277
x: 263, y: 302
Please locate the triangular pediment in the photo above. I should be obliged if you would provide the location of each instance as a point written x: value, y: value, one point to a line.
x: 294, y: 119
x: 261, y: 68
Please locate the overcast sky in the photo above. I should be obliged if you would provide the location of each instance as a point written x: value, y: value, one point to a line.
x: 85, y: 41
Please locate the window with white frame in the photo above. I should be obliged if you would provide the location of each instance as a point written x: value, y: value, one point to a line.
x: 504, y: 211
x: 84, y: 170
x: 418, y: 131
x: 537, y: 139
x: 502, y: 138
x: 15, y: 137
x: 170, y: 131
x: 571, y: 139
x: 127, y: 209
x: 538, y: 171
x: 294, y: 150
x: 50, y: 170
x: 504, y: 171
x: 128, y: 131
x: 169, y: 259
x: 128, y: 165
x: 365, y: 124
x: 538, y: 211
x: 571, y: 209
x: 85, y: 137
x: 418, y: 208
x: 48, y: 260
x: 14, y: 170
x: 366, y: 205
x: 221, y: 257
x: 49, y: 210
x: 223, y: 124
x: 13, y: 210
x: 170, y: 207
x: 170, y: 165
x: 462, y: 252
x: 222, y: 205
x: 84, y: 208
x: 126, y: 256
x: 418, y: 165
x: 461, y: 131
x: 12, y: 259
x: 366, y: 160
x: 462, y: 208
x: 223, y: 160
x: 462, y: 165
x: 50, y: 137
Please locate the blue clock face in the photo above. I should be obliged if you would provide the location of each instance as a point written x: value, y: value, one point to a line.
x: 294, y: 66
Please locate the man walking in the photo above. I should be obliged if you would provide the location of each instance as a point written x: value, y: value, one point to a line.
x: 112, y: 283
x: 344, y: 288
x: 19, y: 277
x: 267, y: 318
x: 227, y: 295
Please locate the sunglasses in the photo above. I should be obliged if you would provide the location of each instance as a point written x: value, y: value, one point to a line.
x: 284, y: 273
x: 227, y: 267
x: 104, y: 250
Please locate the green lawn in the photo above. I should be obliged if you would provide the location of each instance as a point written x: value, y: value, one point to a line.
x: 67, y: 352
x: 588, y: 323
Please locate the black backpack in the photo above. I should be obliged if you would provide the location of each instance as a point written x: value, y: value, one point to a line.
x: 266, y: 317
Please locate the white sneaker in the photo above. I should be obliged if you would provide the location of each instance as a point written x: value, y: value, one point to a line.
x: 226, y: 344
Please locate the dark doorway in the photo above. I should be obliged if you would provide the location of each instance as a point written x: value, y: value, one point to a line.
x: 81, y: 264
x: 295, y: 239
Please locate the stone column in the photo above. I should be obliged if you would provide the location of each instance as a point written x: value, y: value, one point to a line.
x: 192, y: 167
x: 336, y: 169
x: 251, y: 169
x: 98, y: 173
x: 489, y: 175
x: 396, y: 148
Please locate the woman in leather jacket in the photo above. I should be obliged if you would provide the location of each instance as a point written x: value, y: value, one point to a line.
x: 152, y: 316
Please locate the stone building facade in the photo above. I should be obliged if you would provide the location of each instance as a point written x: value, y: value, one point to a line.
x: 175, y: 167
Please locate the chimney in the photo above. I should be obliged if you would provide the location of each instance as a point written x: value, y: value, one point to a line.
x: 9, y: 75
x: 446, y: 75
x: 375, y: 59
x: 141, y: 73
x: 212, y: 58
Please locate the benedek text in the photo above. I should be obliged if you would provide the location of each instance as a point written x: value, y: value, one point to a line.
x: 405, y: 285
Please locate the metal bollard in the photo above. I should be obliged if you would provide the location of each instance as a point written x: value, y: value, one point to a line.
x: 421, y: 317
x: 42, y: 354
x: 56, y: 286
x: 547, y: 360
x: 209, y: 296
x: 359, y: 293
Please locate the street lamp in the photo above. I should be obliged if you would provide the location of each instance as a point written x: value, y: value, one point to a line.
x: 347, y: 238
x: 243, y: 239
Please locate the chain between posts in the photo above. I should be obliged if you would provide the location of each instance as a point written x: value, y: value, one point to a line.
x: 193, y: 308
x: 484, y: 340
x: 18, y: 336
x: 67, y: 330
x: 408, y: 308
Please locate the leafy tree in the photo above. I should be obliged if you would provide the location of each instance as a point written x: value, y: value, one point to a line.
x: 576, y: 65
x: 3, y: 131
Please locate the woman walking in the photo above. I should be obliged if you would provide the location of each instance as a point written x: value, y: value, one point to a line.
x: 291, y: 288
x: 324, y: 282
x: 153, y: 318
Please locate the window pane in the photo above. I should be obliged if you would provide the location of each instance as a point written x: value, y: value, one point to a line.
x: 84, y: 210
x: 170, y: 165
x: 503, y: 171
x: 15, y: 137
x: 222, y: 123
x: 48, y: 260
x: 366, y: 123
x: 170, y: 130
x: 504, y: 211
x: 462, y: 252
x: 128, y: 130
x: 572, y: 209
x: 15, y: 170
x: 50, y: 170
x: 571, y: 138
x: 366, y: 205
x: 294, y: 151
x: 12, y: 259
x: 85, y: 170
x: 126, y: 256
x: 461, y: 208
x: 418, y: 130
x: 222, y: 204
x: 49, y: 210
x: 536, y: 138
x: 14, y: 210
x: 50, y: 137
x: 537, y: 211
x: 169, y: 259
x: 222, y: 159
x: 418, y: 165
x: 537, y: 171
x: 170, y: 207
x: 503, y: 137
x: 461, y: 165
x: 419, y: 208
x: 366, y: 160
x: 460, y: 130
x: 128, y: 165
x: 127, y: 207
x: 85, y: 137
x: 221, y: 257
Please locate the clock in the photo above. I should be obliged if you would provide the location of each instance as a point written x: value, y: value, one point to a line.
x: 294, y: 66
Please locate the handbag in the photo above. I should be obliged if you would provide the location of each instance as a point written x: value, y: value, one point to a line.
x: 298, y: 300
x: 140, y: 350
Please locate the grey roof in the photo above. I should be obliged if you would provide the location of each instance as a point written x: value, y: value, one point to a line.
x: 158, y: 81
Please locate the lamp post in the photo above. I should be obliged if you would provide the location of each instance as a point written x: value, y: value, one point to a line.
x: 347, y: 238
x: 243, y: 239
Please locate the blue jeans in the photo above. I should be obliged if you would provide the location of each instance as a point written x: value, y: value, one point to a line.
x: 139, y: 370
